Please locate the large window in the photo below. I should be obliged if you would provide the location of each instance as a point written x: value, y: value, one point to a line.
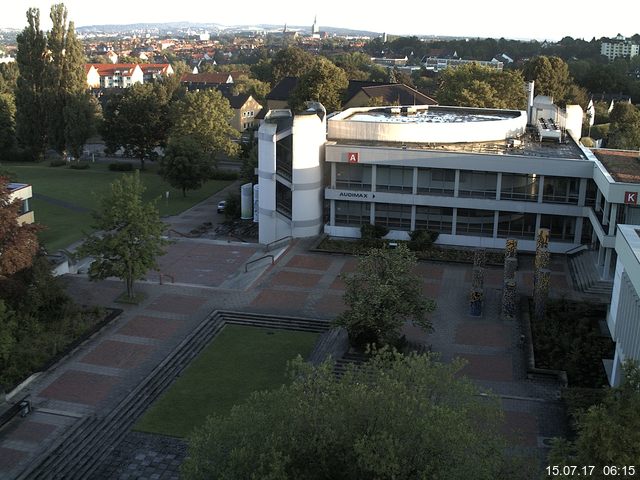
x: 393, y: 216
x: 517, y: 225
x: 436, y: 181
x: 351, y: 176
x: 592, y: 189
x: 519, y: 187
x: 283, y: 199
x: 474, y: 222
x: 434, y: 218
x: 352, y: 214
x: 561, y: 190
x: 394, y: 179
x: 284, y: 157
x: 561, y: 228
x: 477, y: 184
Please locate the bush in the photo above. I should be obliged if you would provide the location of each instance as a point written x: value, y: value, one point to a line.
x: 369, y: 232
x: 121, y: 167
x: 224, y: 175
x: 232, y: 209
x: 422, y: 239
x: 18, y: 155
x: 79, y: 166
x: 57, y: 163
x: 600, y: 131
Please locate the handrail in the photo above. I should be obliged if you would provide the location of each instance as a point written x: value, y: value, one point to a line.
x: 246, y: 265
x: 162, y: 275
x: 577, y: 249
x: 266, y: 247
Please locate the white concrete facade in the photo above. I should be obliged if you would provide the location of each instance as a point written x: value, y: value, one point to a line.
x: 623, y: 317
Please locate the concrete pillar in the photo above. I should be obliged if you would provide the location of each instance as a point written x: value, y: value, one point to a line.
x: 454, y: 221
x: 598, y: 199
x: 414, y: 188
x: 582, y: 192
x: 600, y: 255
x: 496, y: 217
x: 372, y: 213
x: 374, y: 174
x: 577, y: 236
x: 605, y: 213
x: 498, y: 185
x: 332, y: 213
x: 612, y: 219
x: 413, y: 217
x: 538, y: 216
x: 333, y: 175
x: 540, y: 190
x: 606, y: 267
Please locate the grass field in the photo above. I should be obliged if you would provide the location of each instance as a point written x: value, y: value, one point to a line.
x: 84, y: 188
x: 239, y: 361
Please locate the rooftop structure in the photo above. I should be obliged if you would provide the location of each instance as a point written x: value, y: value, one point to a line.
x: 623, y: 165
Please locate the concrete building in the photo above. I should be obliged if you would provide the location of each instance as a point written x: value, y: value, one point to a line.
x: 436, y: 64
x: 623, y: 317
x: 619, y: 47
x: 119, y: 75
x: 23, y: 193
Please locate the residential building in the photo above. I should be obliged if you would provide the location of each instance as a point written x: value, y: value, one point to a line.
x: 364, y: 94
x: 245, y: 110
x: 619, y: 47
x: 390, y: 61
x: 23, y: 193
x: 623, y: 317
x: 202, y: 81
x: 439, y: 63
x: 118, y: 75
x: 155, y: 71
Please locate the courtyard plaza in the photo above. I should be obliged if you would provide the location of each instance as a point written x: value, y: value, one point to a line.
x: 203, y: 275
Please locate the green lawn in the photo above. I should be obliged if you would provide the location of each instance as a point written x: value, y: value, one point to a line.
x: 239, y: 361
x: 84, y: 188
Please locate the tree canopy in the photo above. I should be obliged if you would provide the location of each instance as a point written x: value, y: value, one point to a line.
x: 184, y: 164
x: 290, y: 62
x: 474, y: 85
x: 382, y: 295
x: 324, y: 83
x: 128, y: 238
x: 624, y: 131
x: 395, y: 418
x: 551, y: 76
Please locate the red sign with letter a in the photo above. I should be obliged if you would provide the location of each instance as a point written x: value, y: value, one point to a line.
x: 631, y: 198
x: 353, y: 157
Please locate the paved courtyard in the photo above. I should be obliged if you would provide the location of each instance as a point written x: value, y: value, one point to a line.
x: 209, y: 275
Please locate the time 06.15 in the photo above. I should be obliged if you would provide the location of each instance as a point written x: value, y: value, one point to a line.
x: 587, y: 470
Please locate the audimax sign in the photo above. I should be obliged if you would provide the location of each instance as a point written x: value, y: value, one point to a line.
x: 355, y: 195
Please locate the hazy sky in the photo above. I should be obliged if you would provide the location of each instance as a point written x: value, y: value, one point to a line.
x: 474, y: 18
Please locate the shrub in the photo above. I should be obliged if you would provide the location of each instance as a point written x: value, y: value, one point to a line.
x: 121, y: 167
x: 232, y: 209
x: 224, y: 175
x: 368, y: 231
x: 57, y: 163
x: 422, y: 239
x: 79, y: 166
x: 18, y: 155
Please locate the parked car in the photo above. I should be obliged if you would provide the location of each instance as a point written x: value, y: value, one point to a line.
x: 221, y: 206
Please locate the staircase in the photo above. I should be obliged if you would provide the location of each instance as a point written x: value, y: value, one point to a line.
x: 585, y: 275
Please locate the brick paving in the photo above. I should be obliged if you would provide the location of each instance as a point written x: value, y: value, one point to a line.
x: 118, y: 354
x: 151, y: 327
x: 180, y: 304
x: 80, y: 387
x: 31, y: 431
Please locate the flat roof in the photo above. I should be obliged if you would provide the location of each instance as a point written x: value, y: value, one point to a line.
x: 529, y: 146
x: 622, y: 165
x: 13, y: 186
x: 430, y: 114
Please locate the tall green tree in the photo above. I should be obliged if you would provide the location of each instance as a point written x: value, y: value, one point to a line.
x: 474, y: 85
x: 79, y: 114
x: 324, y: 83
x: 129, y: 237
x: 7, y: 123
x: 137, y: 121
x: 184, y: 164
x: 31, y: 118
x: 608, y: 432
x: 551, y: 76
x: 382, y: 295
x: 397, y: 417
x: 8, y: 77
x: 290, y: 62
x: 204, y: 115
x: 624, y: 131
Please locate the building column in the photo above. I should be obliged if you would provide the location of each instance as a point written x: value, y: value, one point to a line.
x: 606, y: 268
x: 332, y: 212
x: 372, y: 213
x: 616, y: 370
x: 496, y: 218
x: 605, y: 213
x: 598, y: 199
x: 540, y: 190
x: 333, y: 175
x: 582, y: 192
x: 600, y: 255
x: 456, y: 184
x: 577, y: 236
x: 538, y: 217
x: 413, y: 217
x: 415, y: 181
x: 498, y: 185
x: 612, y: 218
x: 454, y: 221
x: 374, y: 175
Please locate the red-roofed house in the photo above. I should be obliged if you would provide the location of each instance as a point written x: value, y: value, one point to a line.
x: 155, y: 71
x: 118, y: 75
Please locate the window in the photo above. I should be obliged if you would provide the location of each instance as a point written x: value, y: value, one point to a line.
x: 477, y: 184
x: 393, y: 216
x: 519, y: 187
x: 394, y: 179
x: 561, y: 228
x: 474, y: 222
x: 283, y: 200
x: 517, y: 225
x: 284, y: 157
x: 561, y: 190
x: 436, y: 181
x: 434, y: 218
x: 352, y: 214
x: 353, y: 176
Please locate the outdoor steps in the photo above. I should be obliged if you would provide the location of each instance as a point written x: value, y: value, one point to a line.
x: 349, y: 358
x: 586, y: 277
x: 90, y: 441
x: 333, y: 343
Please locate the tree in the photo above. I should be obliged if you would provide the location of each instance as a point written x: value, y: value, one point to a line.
x: 138, y: 121
x: 31, y: 118
x: 79, y: 122
x: 184, y: 164
x: 381, y: 296
x: 18, y: 243
x: 551, y: 75
x: 257, y: 89
x: 324, y: 83
x: 396, y: 417
x: 624, y: 132
x: 8, y: 77
x: 474, y: 85
x: 129, y: 234
x: 290, y: 62
x: 608, y: 432
x: 204, y: 115
x: 7, y: 122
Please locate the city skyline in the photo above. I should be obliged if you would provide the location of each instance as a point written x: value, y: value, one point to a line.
x: 494, y: 18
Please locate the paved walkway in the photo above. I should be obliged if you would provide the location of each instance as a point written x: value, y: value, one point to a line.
x: 208, y: 275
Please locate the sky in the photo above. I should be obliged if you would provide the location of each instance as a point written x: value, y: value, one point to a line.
x: 470, y: 18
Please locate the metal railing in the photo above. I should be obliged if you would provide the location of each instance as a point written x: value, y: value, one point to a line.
x: 268, y: 245
x: 246, y: 265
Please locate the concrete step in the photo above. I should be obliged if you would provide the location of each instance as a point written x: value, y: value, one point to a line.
x: 585, y: 275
